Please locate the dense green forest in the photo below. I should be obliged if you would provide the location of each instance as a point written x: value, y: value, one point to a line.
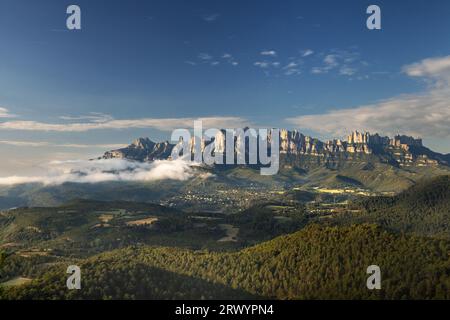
x: 314, y: 263
x: 423, y: 209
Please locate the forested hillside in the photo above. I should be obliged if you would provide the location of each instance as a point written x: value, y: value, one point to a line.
x: 316, y: 262
x: 424, y: 208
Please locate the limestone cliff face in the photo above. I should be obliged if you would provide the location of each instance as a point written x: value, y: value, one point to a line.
x: 405, y: 142
x: 404, y: 150
x: 293, y: 142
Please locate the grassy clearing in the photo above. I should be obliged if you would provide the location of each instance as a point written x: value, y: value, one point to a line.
x: 15, y: 282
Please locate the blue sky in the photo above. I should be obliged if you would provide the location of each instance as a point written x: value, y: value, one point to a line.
x: 268, y: 63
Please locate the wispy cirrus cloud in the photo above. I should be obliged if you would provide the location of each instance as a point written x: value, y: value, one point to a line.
x: 162, y: 124
x: 208, y: 59
x: 425, y: 114
x: 347, y: 71
x: 39, y: 144
x: 92, y: 116
x: 17, y: 143
x: 230, y: 59
x: 330, y: 62
x: 205, y: 56
x: 271, y: 53
x: 307, y: 52
x: 266, y: 64
x: 292, y: 68
x: 342, y: 62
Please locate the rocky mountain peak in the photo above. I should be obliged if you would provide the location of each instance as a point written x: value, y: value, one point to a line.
x: 142, y: 143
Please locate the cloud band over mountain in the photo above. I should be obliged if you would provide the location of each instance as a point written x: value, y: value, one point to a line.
x: 95, y: 171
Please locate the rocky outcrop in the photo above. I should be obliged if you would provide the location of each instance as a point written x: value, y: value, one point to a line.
x: 142, y: 149
x: 405, y: 142
x: 402, y: 149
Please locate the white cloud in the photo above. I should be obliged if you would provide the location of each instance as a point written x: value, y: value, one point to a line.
x: 266, y: 64
x: 330, y: 60
x: 204, y: 56
x: 307, y: 52
x: 429, y: 67
x: 92, y: 116
x: 344, y: 62
x: 291, y: 69
x: 262, y: 64
x: 24, y: 143
x: 271, y: 53
x: 163, y: 124
x: 38, y: 144
x: 347, y: 71
x: 4, y: 113
x: 425, y: 114
x: 87, y: 146
x: 230, y: 59
x: 317, y: 70
x: 210, y: 17
x: 95, y: 171
x: 290, y: 65
x: 208, y: 59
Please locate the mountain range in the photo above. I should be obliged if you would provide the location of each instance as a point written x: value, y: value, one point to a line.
x: 362, y: 162
x: 400, y: 150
